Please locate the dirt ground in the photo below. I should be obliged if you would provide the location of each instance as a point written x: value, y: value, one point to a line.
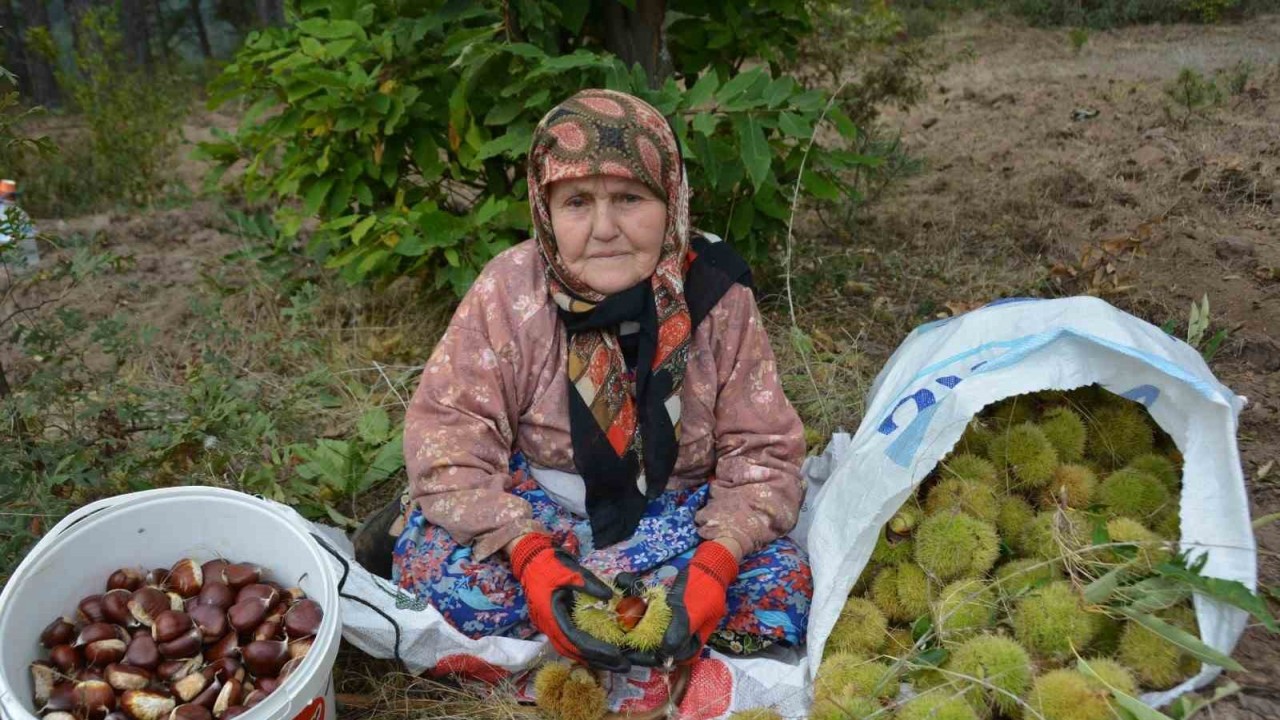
x: 1138, y: 203
x: 1014, y: 192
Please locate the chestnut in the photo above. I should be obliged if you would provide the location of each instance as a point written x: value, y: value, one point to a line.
x: 304, y: 617
x: 234, y: 712
x: 127, y: 677
x: 289, y: 667
x: 217, y: 594
x: 94, y: 698
x: 247, y: 615
x: 209, y: 695
x: 190, y: 711
x: 259, y: 590
x: 90, y: 610
x: 146, y: 704
x: 43, y: 677
x: 212, y: 570
x: 62, y: 697
x: 100, y: 631
x: 104, y: 652
x: 116, y: 715
x: 59, y: 715
x: 268, y: 684
x: 59, y: 632
x: 265, y: 657
x: 269, y: 630
x: 66, y: 658
x: 211, y: 620
x: 186, y: 645
x: 228, y: 646
x: 158, y: 579
x: 188, y: 687
x: 239, y: 575
x: 186, y: 577
x: 172, y: 670
x: 292, y: 595
x: 147, y: 603
x: 170, y: 625
x: 115, y: 607
x: 176, y: 602
x: 89, y: 673
x: 228, y: 668
x: 300, y: 647
x: 142, y: 652
x: 125, y: 579
x: 231, y: 694
x: 254, y: 698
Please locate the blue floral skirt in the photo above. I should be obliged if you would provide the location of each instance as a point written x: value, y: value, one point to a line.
x: 767, y: 604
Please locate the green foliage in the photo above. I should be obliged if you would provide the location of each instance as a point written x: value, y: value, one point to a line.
x: 349, y: 467
x: 1191, y: 93
x: 404, y: 128
x: 1198, y: 327
x: 132, y: 122
x: 1078, y: 37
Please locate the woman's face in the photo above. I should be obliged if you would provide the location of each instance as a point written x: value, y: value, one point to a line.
x: 608, y: 230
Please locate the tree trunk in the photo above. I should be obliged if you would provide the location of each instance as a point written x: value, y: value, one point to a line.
x: 270, y: 12
x: 161, y: 36
x: 201, y: 33
x: 15, y: 55
x: 137, y: 35
x: 76, y: 10
x: 44, y: 88
x: 636, y: 36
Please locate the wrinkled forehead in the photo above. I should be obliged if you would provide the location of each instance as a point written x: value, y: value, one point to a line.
x: 605, y: 133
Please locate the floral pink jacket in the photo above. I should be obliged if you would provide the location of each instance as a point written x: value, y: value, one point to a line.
x: 496, y: 383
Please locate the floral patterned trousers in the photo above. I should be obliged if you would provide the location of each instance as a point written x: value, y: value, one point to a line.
x: 767, y: 604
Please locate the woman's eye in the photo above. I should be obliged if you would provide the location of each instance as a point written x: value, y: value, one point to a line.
x: 631, y: 198
x: 576, y: 202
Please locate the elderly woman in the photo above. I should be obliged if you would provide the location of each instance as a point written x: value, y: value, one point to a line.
x: 605, y: 408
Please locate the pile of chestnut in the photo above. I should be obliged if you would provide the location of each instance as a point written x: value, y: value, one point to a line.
x: 193, y: 642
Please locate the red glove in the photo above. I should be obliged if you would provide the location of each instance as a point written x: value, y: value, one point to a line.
x: 697, y: 601
x: 550, y: 577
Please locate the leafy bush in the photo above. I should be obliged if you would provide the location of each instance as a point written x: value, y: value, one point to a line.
x: 132, y: 123
x: 404, y: 127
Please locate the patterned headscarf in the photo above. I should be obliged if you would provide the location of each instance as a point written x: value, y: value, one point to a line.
x: 625, y: 438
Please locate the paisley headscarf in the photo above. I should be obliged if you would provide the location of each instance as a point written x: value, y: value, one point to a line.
x: 625, y: 429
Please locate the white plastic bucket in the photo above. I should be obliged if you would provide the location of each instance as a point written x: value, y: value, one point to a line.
x: 155, y: 528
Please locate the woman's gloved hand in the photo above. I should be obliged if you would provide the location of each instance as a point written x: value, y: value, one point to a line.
x: 697, y: 601
x: 550, y: 577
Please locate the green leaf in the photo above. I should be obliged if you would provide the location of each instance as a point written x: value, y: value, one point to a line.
x: 779, y: 90
x: 847, y: 128
x: 702, y: 91
x: 795, y: 126
x: 705, y: 123
x: 373, y: 426
x: 1155, y: 593
x: 331, y: 29
x: 1140, y: 710
x: 1097, y: 592
x: 737, y: 86
x: 387, y: 462
x: 818, y: 186
x: 756, y: 155
x: 316, y: 194
x: 1231, y: 592
x: 573, y: 13
x: 504, y: 112
x: 362, y: 228
x: 1184, y: 640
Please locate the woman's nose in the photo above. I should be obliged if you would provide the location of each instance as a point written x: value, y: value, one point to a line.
x: 605, y: 226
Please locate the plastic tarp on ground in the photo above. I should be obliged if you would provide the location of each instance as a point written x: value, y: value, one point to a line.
x: 940, y: 377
